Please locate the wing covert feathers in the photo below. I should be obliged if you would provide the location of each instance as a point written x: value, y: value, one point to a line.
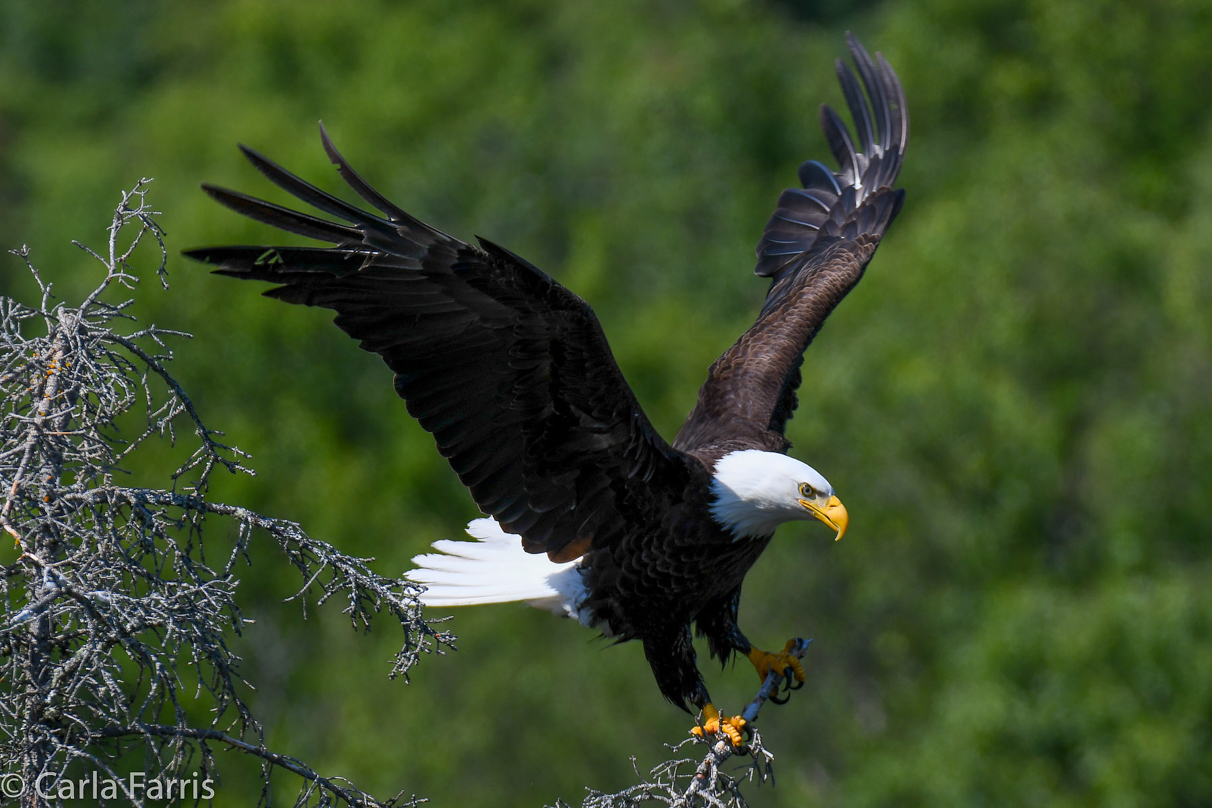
x: 814, y: 249
x: 508, y: 370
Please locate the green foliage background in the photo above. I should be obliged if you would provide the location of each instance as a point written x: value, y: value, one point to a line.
x: 1015, y: 404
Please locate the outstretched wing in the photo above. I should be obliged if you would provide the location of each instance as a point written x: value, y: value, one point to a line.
x: 508, y: 370
x: 815, y: 248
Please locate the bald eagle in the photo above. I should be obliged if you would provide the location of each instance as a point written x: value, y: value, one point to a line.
x: 590, y: 512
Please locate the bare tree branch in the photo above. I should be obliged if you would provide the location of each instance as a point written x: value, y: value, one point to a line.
x: 115, y: 628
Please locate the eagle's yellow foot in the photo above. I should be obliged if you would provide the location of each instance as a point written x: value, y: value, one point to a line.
x: 781, y: 663
x: 716, y: 724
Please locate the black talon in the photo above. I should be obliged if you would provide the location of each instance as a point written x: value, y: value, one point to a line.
x: 793, y: 683
x: 775, y: 698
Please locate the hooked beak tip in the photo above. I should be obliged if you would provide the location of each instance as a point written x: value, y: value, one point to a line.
x: 837, y: 514
x: 833, y: 514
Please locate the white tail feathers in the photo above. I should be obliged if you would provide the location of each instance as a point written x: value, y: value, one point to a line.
x: 496, y: 569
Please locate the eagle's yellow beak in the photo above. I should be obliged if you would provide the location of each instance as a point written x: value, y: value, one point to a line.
x: 833, y: 514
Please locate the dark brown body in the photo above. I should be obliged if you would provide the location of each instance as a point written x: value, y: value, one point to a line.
x: 653, y: 586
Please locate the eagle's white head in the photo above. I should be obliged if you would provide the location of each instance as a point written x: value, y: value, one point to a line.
x: 757, y: 491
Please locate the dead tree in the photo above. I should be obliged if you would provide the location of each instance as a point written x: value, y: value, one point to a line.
x: 115, y: 629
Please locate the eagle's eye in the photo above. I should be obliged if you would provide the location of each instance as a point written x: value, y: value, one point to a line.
x: 807, y: 491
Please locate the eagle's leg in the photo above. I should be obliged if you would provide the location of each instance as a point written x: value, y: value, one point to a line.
x: 716, y: 724
x: 724, y: 637
x: 782, y: 662
x: 672, y: 659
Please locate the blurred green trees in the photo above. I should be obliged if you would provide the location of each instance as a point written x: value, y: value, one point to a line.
x: 1015, y: 405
